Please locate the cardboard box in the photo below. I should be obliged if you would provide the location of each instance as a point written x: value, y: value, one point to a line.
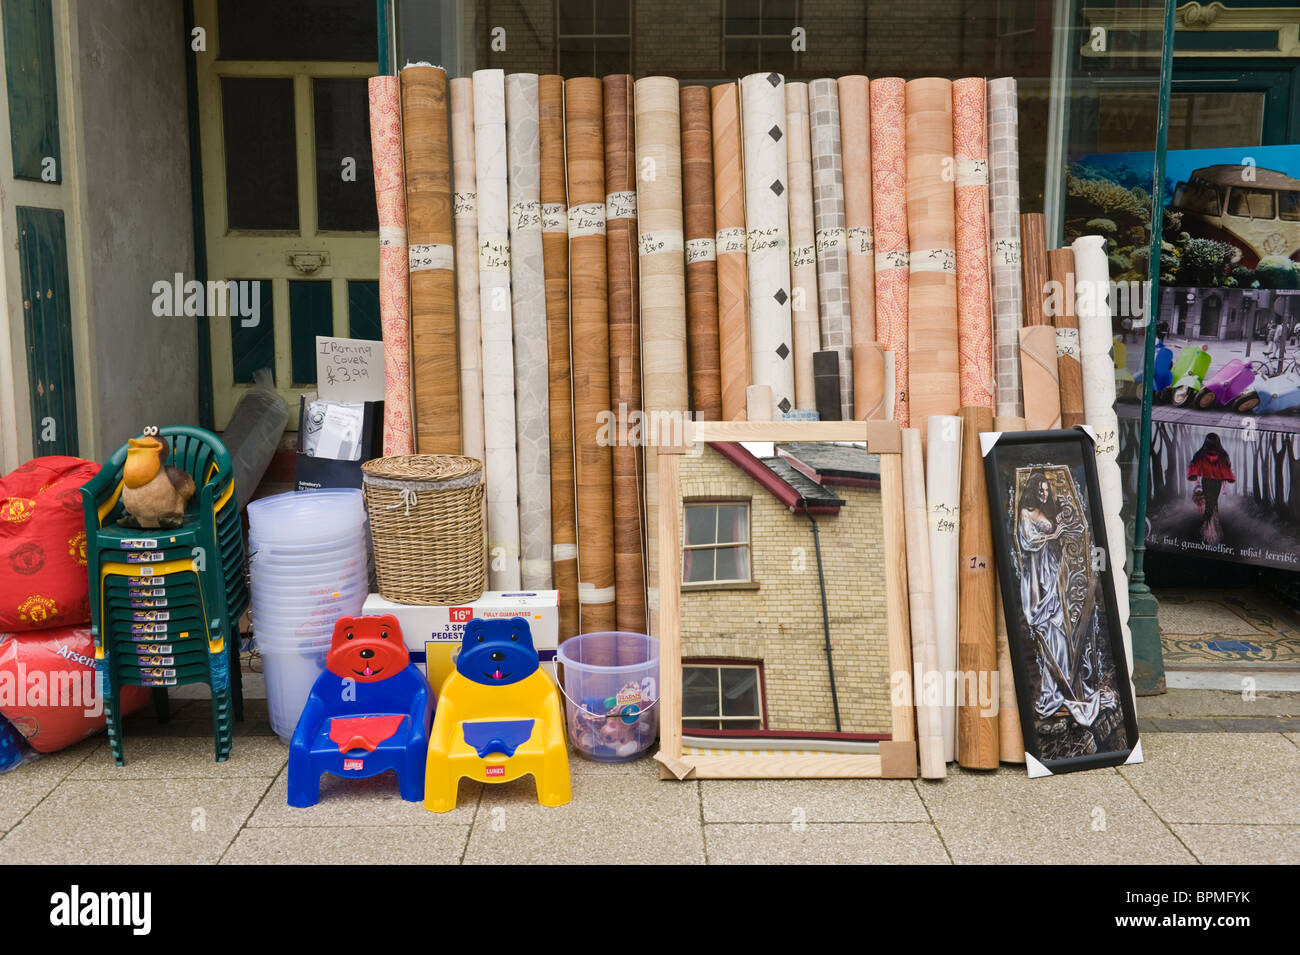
x: 433, y: 634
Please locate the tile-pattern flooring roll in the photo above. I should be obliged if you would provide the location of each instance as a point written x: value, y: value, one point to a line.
x: 767, y: 225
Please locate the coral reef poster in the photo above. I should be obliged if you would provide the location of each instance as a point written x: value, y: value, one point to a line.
x: 1226, y: 382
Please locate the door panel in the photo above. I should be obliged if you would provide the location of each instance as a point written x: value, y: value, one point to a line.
x: 47, y: 319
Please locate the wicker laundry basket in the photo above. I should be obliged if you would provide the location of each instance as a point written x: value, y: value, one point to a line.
x: 426, y: 521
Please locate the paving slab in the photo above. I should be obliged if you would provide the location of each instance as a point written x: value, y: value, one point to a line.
x: 133, y: 821
x: 350, y: 845
x: 185, y: 757
x: 24, y: 787
x: 1194, y: 703
x: 792, y: 801
x: 824, y: 844
x: 616, y: 818
x: 1242, y: 845
x: 1247, y: 778
x: 374, y: 802
x: 1078, y: 818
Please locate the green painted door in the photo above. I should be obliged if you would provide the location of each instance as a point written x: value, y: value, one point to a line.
x: 47, y: 321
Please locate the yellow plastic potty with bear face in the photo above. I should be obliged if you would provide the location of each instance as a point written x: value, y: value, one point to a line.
x: 498, y: 718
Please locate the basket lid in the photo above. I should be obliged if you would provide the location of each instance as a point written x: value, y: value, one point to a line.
x: 434, y: 468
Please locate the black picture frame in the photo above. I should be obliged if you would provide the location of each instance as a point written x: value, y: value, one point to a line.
x: 1049, y: 535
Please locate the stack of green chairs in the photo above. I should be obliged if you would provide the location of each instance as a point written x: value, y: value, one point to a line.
x: 165, y: 604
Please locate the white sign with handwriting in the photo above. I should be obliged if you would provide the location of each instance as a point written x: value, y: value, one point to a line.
x: 349, y: 369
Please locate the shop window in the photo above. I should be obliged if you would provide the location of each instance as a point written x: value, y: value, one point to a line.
x: 1289, y: 205
x: 334, y: 30
x: 1210, y: 313
x: 756, y: 35
x: 342, y: 117
x: 1198, y: 196
x: 722, y: 696
x: 716, y: 548
x: 1251, y: 203
x: 261, y: 152
x: 594, y: 37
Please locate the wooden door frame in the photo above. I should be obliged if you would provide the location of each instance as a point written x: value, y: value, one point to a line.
x: 205, y: 381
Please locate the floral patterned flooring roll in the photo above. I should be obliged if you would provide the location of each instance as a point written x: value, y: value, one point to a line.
x: 528, y: 307
x: 889, y: 216
x: 394, y: 274
x: 974, y: 306
x: 828, y: 217
x: 497, y: 329
x: 767, y: 224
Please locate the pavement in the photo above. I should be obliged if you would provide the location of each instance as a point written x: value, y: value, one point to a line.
x: 1218, y: 786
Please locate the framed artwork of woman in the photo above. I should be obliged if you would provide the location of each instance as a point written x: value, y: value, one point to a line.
x: 1072, y: 683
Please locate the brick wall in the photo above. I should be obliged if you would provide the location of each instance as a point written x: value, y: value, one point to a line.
x: 780, y: 623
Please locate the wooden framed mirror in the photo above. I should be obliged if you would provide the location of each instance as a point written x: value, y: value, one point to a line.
x: 785, y: 646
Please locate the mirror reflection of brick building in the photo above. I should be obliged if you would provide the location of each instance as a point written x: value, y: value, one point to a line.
x: 754, y: 637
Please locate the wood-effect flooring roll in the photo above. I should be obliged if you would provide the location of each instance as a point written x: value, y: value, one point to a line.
x: 1004, y: 246
x: 927, y: 675
x: 889, y: 217
x: 933, y: 381
x: 767, y: 226
x: 974, y: 302
x: 624, y: 349
x: 1060, y: 299
x: 1011, y: 744
x: 465, y: 224
x: 943, y: 501
x: 555, y: 255
x: 733, y: 276
x: 496, y: 329
x: 528, y: 302
x: 1092, y: 285
x: 663, y: 286
x: 804, y: 322
x: 585, y: 167
x: 1040, y: 378
x: 394, y: 264
x: 701, y: 253
x: 434, y: 363
x: 860, y: 236
x: 1033, y: 238
x: 832, y: 246
x: 977, y: 644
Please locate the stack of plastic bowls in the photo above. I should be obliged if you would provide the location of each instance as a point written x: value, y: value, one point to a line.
x: 307, y: 567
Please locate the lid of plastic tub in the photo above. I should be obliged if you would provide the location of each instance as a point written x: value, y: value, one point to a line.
x: 306, y: 517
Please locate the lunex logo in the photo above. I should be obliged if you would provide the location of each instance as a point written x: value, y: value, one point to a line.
x: 77, y: 908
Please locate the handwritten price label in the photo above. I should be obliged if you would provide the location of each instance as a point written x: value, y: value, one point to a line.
x: 862, y: 240
x: 830, y: 240
x: 525, y: 215
x: 464, y: 205
x: 767, y: 240
x: 653, y: 243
